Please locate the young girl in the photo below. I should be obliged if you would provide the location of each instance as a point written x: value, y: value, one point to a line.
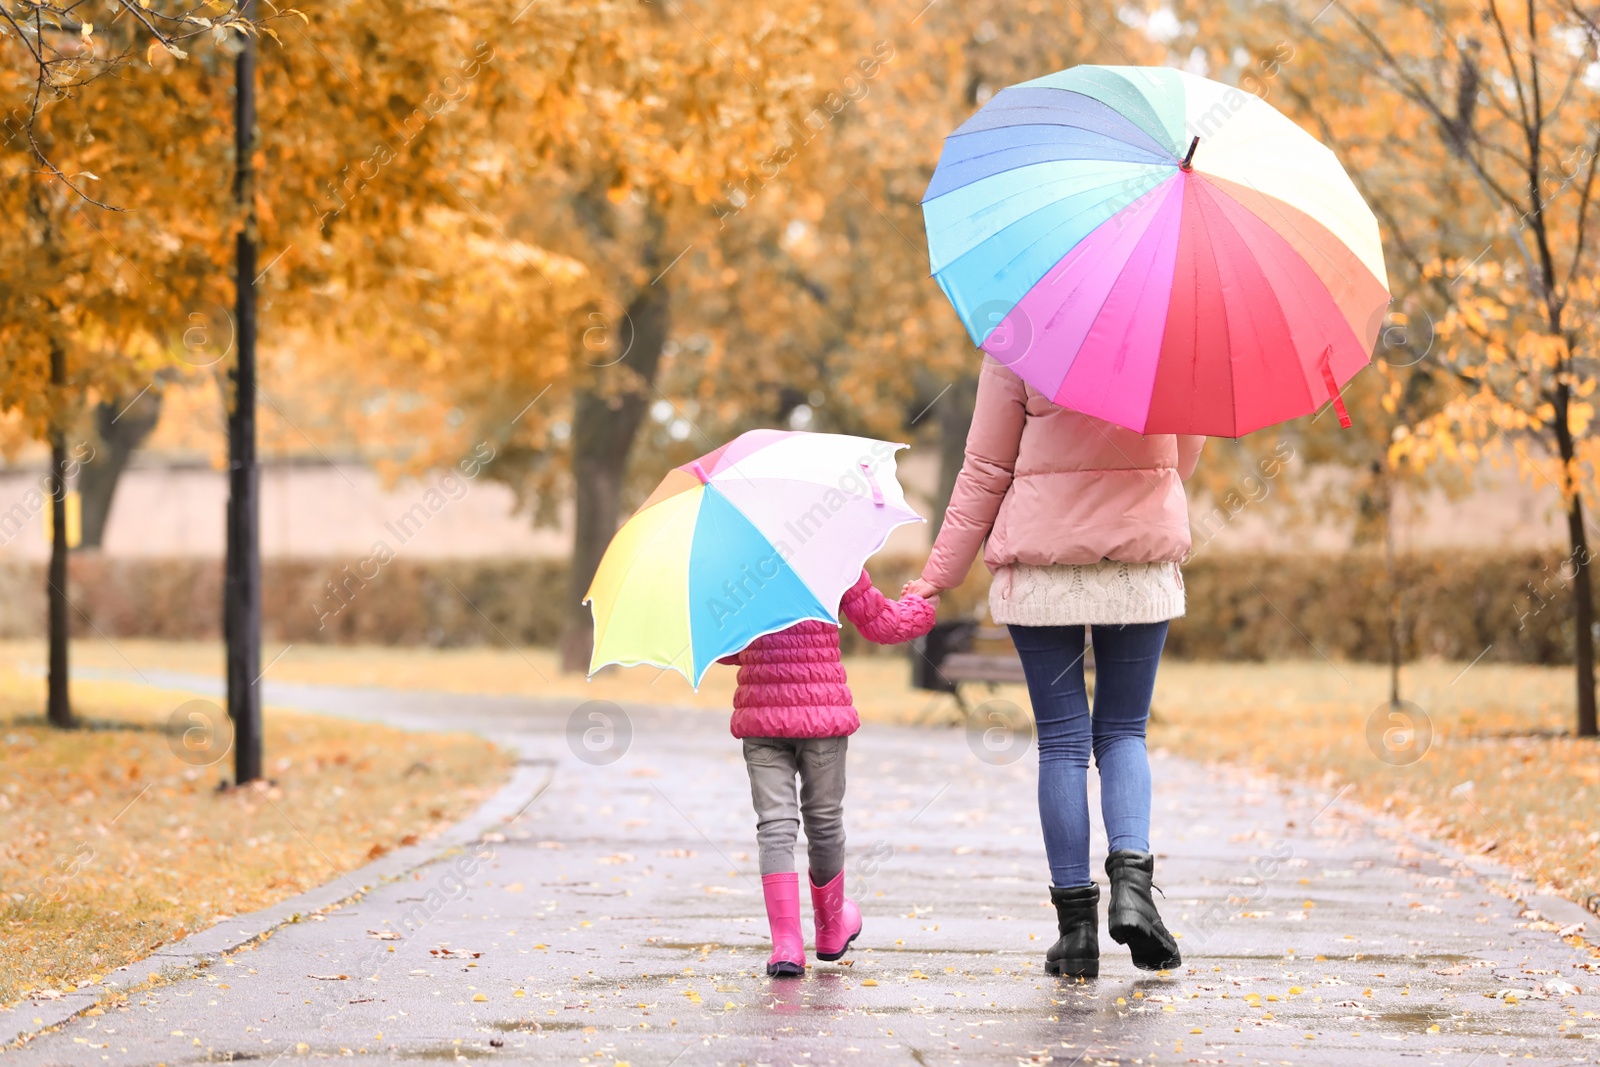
x: 794, y: 711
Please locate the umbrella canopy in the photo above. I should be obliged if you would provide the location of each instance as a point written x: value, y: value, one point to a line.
x: 1158, y: 250
x: 770, y: 529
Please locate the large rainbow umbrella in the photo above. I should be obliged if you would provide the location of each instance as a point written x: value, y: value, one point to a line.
x: 766, y: 531
x: 1156, y: 249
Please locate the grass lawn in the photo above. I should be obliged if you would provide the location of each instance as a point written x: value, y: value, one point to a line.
x: 878, y: 681
x: 111, y: 845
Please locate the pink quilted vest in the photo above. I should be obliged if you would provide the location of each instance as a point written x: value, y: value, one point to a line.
x: 792, y: 683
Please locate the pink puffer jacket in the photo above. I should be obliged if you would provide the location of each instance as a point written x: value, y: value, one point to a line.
x: 1045, y: 484
x: 792, y: 683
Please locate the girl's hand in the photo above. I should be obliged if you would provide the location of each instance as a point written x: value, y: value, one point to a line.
x: 921, y: 587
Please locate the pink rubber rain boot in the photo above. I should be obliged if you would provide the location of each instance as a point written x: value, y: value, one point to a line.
x: 838, y: 918
x: 788, y: 959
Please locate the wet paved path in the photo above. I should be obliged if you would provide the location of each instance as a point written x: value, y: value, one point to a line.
x: 619, y: 920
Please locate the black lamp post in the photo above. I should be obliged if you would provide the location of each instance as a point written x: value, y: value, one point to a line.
x: 241, y: 612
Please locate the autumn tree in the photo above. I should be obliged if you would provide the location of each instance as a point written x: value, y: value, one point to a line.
x: 632, y: 121
x: 834, y: 310
x: 780, y: 166
x: 737, y: 215
x: 1508, y: 99
x: 124, y: 186
x: 1469, y: 130
x: 79, y: 311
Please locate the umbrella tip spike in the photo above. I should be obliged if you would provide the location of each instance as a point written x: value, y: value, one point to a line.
x: 700, y: 472
x: 1188, y: 159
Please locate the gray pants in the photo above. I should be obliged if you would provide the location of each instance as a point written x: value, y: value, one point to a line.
x: 773, y: 764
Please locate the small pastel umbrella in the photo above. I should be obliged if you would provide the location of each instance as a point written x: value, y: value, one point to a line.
x: 770, y: 529
x: 1158, y: 250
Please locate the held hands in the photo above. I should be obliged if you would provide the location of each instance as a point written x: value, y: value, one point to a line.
x: 923, y: 588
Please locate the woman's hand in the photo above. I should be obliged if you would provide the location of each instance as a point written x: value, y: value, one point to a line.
x: 921, y: 587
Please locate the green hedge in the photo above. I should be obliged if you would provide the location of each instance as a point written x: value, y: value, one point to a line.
x: 1240, y: 607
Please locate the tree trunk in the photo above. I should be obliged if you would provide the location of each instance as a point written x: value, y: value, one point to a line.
x: 1582, y: 588
x: 955, y: 419
x: 1394, y: 588
x: 58, y: 705
x: 604, y: 425
x: 123, y: 426
x: 1583, y: 619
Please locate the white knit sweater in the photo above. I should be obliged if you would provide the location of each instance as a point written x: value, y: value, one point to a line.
x: 1108, y: 593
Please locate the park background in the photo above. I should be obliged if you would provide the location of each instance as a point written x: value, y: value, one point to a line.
x: 519, y: 258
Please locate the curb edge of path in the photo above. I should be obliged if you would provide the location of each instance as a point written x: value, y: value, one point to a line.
x: 529, y: 781
x: 1520, y: 888
x: 1493, y: 872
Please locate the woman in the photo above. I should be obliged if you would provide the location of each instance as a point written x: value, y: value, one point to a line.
x: 1085, y: 523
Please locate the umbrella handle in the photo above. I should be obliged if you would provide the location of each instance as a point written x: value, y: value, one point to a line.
x: 872, y: 480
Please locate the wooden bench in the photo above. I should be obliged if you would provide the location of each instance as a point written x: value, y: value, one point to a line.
x: 990, y: 667
x: 950, y: 656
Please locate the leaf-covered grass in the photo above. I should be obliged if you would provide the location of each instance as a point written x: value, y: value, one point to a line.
x: 878, y: 681
x: 1500, y: 774
x: 111, y: 845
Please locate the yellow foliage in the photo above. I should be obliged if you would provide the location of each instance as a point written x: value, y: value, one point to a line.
x: 1579, y: 416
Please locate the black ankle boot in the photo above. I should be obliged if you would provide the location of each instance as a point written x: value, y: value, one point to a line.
x: 1077, y: 953
x: 1133, y: 919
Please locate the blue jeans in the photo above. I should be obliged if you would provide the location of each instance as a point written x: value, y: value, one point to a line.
x: 1125, y: 659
